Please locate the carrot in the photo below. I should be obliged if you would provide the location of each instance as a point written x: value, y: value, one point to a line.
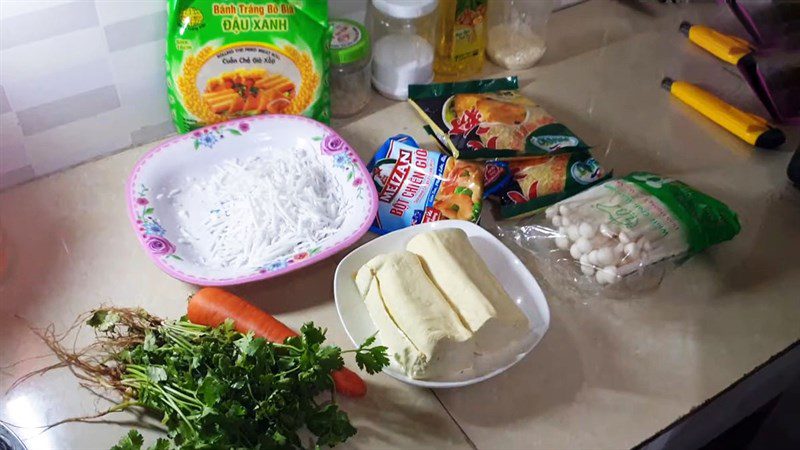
x: 211, y: 306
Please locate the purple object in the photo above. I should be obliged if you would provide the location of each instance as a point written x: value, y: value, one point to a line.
x: 775, y: 78
x: 771, y: 23
x: 773, y: 71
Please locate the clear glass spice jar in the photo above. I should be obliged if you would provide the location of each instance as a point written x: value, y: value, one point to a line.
x: 403, y: 34
x: 350, y: 68
x: 516, y: 32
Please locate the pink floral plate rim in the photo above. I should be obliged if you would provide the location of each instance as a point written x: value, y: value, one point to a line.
x: 132, y: 197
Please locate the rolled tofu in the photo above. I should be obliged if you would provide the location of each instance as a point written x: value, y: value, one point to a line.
x: 470, y: 287
x: 400, y: 348
x: 423, y: 333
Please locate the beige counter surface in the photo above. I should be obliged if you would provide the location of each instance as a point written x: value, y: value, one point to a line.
x: 608, y: 374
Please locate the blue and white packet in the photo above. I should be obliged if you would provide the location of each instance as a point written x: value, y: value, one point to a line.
x: 416, y: 185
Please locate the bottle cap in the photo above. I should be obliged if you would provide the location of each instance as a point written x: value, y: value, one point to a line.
x: 405, y: 9
x: 350, y: 42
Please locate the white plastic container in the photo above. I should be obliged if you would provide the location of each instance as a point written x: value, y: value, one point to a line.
x: 402, y: 35
x: 516, y: 37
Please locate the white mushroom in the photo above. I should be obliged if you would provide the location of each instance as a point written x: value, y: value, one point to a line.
x: 587, y: 230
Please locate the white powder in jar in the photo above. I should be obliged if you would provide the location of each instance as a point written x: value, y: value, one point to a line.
x: 515, y: 46
x: 400, y: 60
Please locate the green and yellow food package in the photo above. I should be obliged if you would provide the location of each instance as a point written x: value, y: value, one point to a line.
x: 237, y: 58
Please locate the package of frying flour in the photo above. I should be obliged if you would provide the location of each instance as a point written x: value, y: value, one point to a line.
x: 416, y: 185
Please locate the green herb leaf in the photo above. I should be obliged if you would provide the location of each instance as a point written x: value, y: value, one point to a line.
x: 218, y: 388
x: 103, y: 320
x: 156, y: 374
x: 329, y: 358
x: 131, y: 441
x: 211, y: 390
x: 331, y: 425
x: 312, y: 335
x: 369, y: 341
x: 279, y: 438
x: 244, y: 342
x: 371, y: 359
x: 149, y: 343
x: 161, y: 444
x: 235, y: 409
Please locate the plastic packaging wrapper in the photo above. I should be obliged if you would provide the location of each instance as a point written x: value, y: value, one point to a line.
x: 416, y: 185
x: 621, y: 235
x: 490, y: 119
x: 227, y: 60
x: 522, y: 186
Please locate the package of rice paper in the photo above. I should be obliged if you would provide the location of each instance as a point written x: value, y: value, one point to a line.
x: 236, y: 58
x: 522, y: 186
x: 490, y: 119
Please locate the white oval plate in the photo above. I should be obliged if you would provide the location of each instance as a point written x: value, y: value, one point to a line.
x: 509, y: 270
x: 194, y: 155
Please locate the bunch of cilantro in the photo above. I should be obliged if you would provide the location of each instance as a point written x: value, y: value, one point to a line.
x: 218, y: 388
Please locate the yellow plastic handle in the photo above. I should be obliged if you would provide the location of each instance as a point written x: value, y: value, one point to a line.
x: 747, y: 126
x: 725, y: 47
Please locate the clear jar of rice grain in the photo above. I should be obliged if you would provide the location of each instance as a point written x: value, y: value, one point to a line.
x: 517, y: 31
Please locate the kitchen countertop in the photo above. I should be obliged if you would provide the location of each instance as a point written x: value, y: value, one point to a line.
x: 608, y: 374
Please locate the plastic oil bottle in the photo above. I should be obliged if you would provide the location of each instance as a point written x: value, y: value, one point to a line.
x: 460, y: 39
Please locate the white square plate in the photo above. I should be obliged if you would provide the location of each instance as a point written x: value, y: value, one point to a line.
x: 518, y: 282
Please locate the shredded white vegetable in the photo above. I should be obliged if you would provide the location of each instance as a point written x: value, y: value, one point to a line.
x: 261, y: 209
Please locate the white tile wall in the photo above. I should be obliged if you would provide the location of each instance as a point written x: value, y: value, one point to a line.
x: 78, y: 79
x: 84, y: 78
x: 17, y: 7
x: 119, y: 10
x: 13, y: 156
